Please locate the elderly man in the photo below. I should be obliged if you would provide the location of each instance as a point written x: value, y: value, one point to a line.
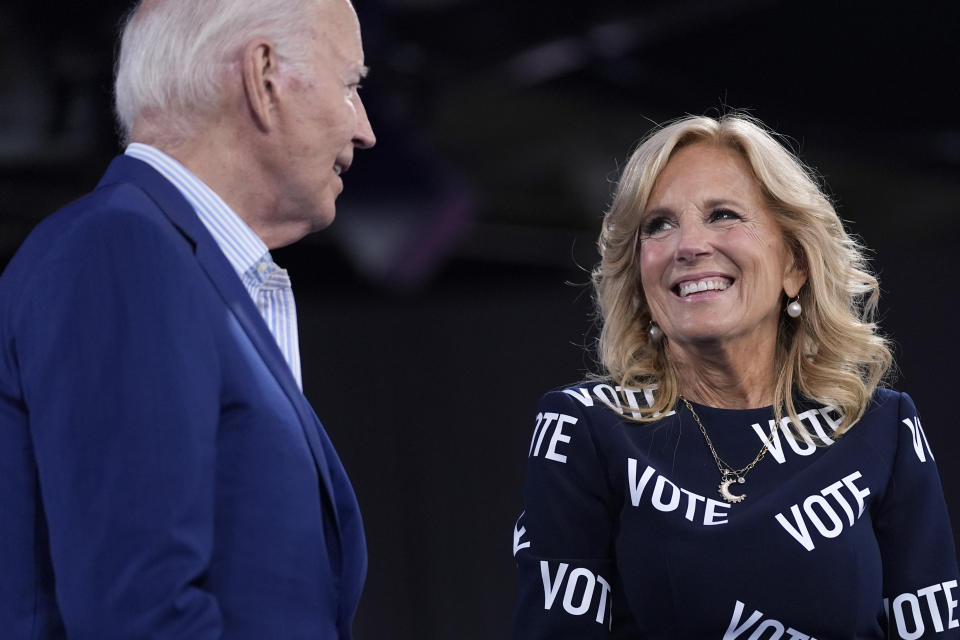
x: 162, y: 474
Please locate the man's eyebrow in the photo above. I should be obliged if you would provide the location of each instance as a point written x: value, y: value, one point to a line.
x: 363, y: 71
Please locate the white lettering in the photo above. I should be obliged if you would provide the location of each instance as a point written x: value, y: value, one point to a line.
x: 648, y: 396
x: 773, y: 441
x: 817, y: 521
x: 551, y: 588
x: 834, y: 423
x: 791, y: 437
x: 711, y: 516
x: 608, y: 396
x: 714, y: 512
x: 636, y: 488
x: 925, y: 442
x: 811, y: 416
x: 768, y: 624
x: 803, y: 443
x: 559, y: 436
x: 858, y: 493
x: 948, y: 588
x: 919, y: 438
x: 549, y: 418
x: 799, y: 532
x: 518, y: 533
x: 536, y: 430
x: 834, y: 490
x: 927, y: 592
x: 918, y: 627
x: 691, y: 504
x: 941, y: 619
x: 657, y: 499
x: 798, y: 527
x: 631, y: 395
x: 591, y: 583
x: 604, y: 592
x: 580, y: 394
x: 736, y: 629
x: 544, y: 420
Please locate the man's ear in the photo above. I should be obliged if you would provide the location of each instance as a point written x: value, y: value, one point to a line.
x: 259, y: 82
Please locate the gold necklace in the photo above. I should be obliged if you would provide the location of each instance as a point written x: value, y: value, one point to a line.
x: 728, y: 474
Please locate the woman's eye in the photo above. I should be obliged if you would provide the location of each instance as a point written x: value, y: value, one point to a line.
x: 655, y: 225
x: 723, y: 214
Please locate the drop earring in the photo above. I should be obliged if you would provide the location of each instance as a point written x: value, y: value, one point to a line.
x: 794, y: 309
x: 655, y: 332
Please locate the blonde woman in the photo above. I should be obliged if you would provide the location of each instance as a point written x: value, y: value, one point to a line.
x: 737, y: 471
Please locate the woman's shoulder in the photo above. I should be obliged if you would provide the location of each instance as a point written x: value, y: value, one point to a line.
x: 580, y: 424
x: 890, y: 421
x: 599, y: 398
x: 889, y: 406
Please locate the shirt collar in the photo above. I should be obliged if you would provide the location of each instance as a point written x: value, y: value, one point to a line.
x: 238, y: 242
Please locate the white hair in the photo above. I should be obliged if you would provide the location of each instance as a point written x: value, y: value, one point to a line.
x: 174, y: 53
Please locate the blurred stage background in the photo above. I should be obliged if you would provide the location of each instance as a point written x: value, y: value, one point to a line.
x: 450, y: 292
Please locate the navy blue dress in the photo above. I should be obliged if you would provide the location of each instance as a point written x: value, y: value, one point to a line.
x: 624, y: 533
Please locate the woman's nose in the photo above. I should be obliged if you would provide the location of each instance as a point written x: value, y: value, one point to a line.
x: 693, y: 241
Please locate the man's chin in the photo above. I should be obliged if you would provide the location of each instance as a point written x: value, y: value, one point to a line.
x: 324, y: 220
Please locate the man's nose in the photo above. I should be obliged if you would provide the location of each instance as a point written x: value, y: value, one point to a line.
x: 363, y: 137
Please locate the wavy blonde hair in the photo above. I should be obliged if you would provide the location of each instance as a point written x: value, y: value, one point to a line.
x: 833, y: 353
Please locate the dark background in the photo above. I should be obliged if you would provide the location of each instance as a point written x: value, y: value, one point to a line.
x: 450, y: 292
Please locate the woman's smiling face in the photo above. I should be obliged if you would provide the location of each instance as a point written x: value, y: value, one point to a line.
x: 713, y: 260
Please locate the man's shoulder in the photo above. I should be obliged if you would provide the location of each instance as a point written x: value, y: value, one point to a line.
x: 113, y: 238
x: 110, y: 217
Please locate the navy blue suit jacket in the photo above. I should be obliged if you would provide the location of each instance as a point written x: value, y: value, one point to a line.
x: 161, y: 474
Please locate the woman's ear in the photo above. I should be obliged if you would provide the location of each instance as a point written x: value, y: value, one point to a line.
x: 795, y: 273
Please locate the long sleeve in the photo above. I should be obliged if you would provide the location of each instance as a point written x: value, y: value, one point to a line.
x: 920, y: 576
x: 563, y: 541
x: 121, y: 378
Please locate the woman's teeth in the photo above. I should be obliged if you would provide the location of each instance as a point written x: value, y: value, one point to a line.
x: 707, y: 284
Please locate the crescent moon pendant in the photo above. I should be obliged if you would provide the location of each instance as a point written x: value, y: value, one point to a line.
x: 728, y: 495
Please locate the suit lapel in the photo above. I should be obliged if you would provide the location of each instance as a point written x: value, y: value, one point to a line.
x: 235, y: 296
x: 225, y: 279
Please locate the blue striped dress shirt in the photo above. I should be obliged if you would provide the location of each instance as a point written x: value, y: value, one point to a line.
x: 267, y: 283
